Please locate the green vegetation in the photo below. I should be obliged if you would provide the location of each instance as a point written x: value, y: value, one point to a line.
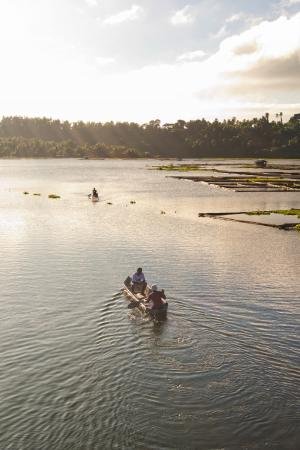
x: 53, y: 196
x: 288, y: 212
x: 22, y: 137
x: 258, y: 213
x: 180, y: 168
x: 285, y: 212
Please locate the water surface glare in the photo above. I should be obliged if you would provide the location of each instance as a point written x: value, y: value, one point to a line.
x: 79, y: 370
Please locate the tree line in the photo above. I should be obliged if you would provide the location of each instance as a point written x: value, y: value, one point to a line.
x: 22, y: 137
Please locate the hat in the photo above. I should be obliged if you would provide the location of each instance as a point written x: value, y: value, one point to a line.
x: 154, y: 287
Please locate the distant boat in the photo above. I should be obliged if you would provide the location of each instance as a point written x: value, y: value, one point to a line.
x: 261, y: 163
x: 94, y: 198
x: 137, y: 300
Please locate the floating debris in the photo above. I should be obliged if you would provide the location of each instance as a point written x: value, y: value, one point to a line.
x: 37, y: 194
x: 132, y: 202
x: 53, y: 196
x: 163, y: 212
x: 266, y: 182
x: 109, y: 203
x: 283, y: 212
x: 26, y: 193
x: 179, y: 167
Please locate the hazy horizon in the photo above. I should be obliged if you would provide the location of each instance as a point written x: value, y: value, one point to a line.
x: 132, y: 61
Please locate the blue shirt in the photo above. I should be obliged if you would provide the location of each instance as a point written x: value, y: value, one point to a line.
x: 138, y: 278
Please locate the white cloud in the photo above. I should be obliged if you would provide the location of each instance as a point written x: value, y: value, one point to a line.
x: 251, y: 71
x: 183, y: 16
x: 191, y: 56
x: 104, y: 61
x: 130, y: 14
x: 260, y: 65
x: 221, y: 33
x: 235, y: 18
x: 284, y: 5
x: 91, y: 2
x: 255, y: 71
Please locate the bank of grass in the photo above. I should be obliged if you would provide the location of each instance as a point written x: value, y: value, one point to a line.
x: 179, y: 168
x: 285, y: 212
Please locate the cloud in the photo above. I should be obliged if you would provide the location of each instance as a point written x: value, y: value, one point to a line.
x: 91, y: 2
x: 104, y: 61
x: 220, y: 33
x: 191, y: 56
x: 183, y: 16
x: 283, y: 69
x: 235, y: 18
x: 254, y: 71
x: 246, y: 48
x: 127, y: 15
x: 261, y: 64
x: 285, y: 5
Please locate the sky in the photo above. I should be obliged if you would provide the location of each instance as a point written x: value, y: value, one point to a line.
x: 140, y: 60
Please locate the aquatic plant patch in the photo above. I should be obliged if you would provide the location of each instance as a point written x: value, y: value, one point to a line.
x: 179, y: 167
x: 53, y: 196
x: 284, y: 212
x: 283, y: 226
x: 248, y: 183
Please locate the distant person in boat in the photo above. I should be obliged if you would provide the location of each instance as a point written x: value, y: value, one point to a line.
x: 95, y: 193
x: 138, y: 281
x: 156, y: 298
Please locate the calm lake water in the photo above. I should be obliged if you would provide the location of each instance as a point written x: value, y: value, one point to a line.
x: 79, y: 370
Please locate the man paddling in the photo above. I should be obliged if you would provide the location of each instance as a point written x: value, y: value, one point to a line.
x: 138, y: 281
x: 156, y: 298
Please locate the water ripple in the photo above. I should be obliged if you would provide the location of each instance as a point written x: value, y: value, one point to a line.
x: 81, y: 371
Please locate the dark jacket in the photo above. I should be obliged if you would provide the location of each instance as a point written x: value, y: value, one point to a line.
x: 156, y: 297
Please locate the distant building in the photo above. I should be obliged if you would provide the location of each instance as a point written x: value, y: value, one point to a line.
x: 296, y: 117
x: 261, y: 163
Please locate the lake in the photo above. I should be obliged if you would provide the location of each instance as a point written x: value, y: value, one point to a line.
x: 79, y: 370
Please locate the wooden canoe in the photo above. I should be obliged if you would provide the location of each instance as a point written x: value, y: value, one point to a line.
x: 137, y: 300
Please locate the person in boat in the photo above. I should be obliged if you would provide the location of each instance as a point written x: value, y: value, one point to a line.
x: 95, y: 193
x: 138, y: 281
x: 156, y: 298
